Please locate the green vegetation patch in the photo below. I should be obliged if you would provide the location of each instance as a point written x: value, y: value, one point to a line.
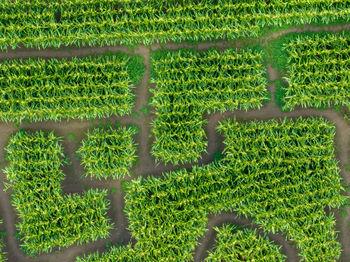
x: 134, y: 22
x: 37, y: 90
x: 242, y: 244
x: 189, y: 84
x: 2, y: 254
x: 108, y: 152
x: 282, y: 174
x: 317, y: 66
x: 47, y: 217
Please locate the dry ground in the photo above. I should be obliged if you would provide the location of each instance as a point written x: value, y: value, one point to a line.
x: 74, y: 183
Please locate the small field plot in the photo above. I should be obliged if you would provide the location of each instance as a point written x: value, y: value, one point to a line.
x: 92, y: 87
x: 317, y: 66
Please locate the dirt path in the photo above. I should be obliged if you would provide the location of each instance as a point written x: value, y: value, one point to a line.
x: 74, y: 183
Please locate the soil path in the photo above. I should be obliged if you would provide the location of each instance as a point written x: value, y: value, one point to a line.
x: 74, y: 183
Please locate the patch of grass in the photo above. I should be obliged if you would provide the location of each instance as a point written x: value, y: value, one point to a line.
x: 144, y: 110
x: 343, y: 213
x: 134, y: 114
x: 280, y: 94
x: 113, y: 190
x: 218, y: 156
x: 72, y: 137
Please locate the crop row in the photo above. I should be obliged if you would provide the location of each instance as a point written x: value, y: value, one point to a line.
x: 48, y: 218
x: 282, y: 174
x: 241, y: 244
x: 90, y: 87
x: 189, y: 84
x: 317, y: 68
x: 76, y: 22
x: 2, y: 254
x: 108, y: 152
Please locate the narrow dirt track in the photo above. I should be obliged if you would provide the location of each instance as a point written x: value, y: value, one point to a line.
x: 74, y: 183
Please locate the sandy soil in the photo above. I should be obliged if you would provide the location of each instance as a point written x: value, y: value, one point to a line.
x: 75, y: 183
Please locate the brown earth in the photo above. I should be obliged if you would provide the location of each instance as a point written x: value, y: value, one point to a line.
x: 75, y: 183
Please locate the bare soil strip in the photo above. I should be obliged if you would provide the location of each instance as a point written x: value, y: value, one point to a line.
x: 146, y: 166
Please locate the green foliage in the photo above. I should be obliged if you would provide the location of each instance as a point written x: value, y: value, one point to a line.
x: 108, y: 152
x: 144, y: 110
x: 189, y: 84
x: 90, y: 87
x: 71, y: 137
x: 134, y: 22
x: 136, y: 115
x: 237, y: 244
x: 281, y: 174
x: 122, y: 254
x: 113, y: 190
x: 318, y: 70
x: 2, y: 235
x: 218, y: 156
x: 47, y: 217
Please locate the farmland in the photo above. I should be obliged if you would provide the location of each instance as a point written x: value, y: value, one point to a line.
x: 108, y: 153
x: 37, y: 90
x: 189, y: 84
x: 136, y: 130
x: 318, y: 68
x: 247, y: 244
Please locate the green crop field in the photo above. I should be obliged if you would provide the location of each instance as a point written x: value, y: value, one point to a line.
x: 265, y: 174
x: 48, y: 218
x: 318, y: 68
x: 132, y: 22
x: 189, y: 84
x: 174, y: 131
x: 38, y: 89
x: 236, y: 244
x: 108, y: 153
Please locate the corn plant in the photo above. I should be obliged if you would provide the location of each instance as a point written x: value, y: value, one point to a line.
x: 108, y: 152
x: 90, y: 87
x: 241, y: 244
x: 281, y: 174
x: 189, y: 84
x: 48, y: 219
x: 133, y: 22
x: 318, y: 70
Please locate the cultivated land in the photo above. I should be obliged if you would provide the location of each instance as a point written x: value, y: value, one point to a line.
x: 75, y: 182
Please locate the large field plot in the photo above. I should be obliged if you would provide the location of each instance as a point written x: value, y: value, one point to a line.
x: 135, y: 130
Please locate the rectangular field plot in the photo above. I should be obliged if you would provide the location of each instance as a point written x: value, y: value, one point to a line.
x: 317, y: 68
x: 189, y: 84
x: 132, y: 22
x: 90, y: 87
